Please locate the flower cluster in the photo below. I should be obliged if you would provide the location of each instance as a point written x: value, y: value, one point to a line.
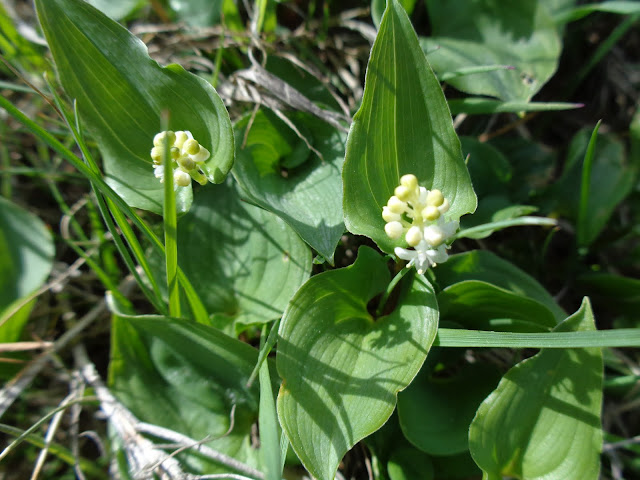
x: 186, y: 156
x: 418, y: 214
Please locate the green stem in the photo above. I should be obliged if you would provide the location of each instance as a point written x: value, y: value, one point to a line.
x: 170, y: 234
x: 390, y: 287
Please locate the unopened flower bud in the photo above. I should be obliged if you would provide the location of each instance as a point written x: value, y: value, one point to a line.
x: 201, y: 156
x: 394, y: 230
x: 181, y: 137
x: 409, y: 181
x: 181, y: 178
x: 402, y: 193
x: 396, y: 205
x: 191, y: 147
x: 444, y: 208
x: 159, y: 139
x: 435, y: 198
x: 389, y: 216
x: 413, y: 236
x: 430, y: 213
x: 186, y: 163
x: 157, y: 153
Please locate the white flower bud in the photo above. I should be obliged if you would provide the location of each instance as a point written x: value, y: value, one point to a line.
x: 389, y: 216
x: 159, y: 139
x: 394, y: 229
x: 201, y: 156
x: 413, y: 236
x: 181, y: 178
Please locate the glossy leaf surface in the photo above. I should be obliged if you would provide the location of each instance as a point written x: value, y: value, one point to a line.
x: 520, y: 34
x: 121, y: 94
x: 278, y: 172
x: 342, y: 369
x: 243, y: 261
x: 485, y: 266
x: 543, y: 420
x: 403, y: 126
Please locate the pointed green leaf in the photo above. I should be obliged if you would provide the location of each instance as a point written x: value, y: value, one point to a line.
x: 278, y: 172
x: 491, y: 307
x: 121, y: 94
x: 403, y: 126
x: 543, y: 420
x: 342, y: 369
x: 520, y: 34
x: 254, y: 261
x: 485, y: 266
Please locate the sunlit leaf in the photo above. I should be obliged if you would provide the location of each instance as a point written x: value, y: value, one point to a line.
x: 121, y: 95
x: 403, y: 126
x: 341, y: 368
x: 484, y: 32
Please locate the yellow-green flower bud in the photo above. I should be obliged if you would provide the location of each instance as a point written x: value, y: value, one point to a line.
x: 191, y: 147
x: 174, y: 153
x: 394, y: 230
x: 413, y: 236
x: 396, y: 205
x: 409, y: 181
x: 402, y: 192
x: 435, y: 198
x: 181, y: 137
x: 186, y: 163
x: 159, y: 139
x: 430, y: 213
x: 157, y: 154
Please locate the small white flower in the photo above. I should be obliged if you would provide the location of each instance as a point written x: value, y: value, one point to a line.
x: 418, y: 214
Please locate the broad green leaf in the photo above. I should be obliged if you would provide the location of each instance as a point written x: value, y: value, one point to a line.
x: 121, y: 94
x: 543, y: 420
x: 341, y: 368
x: 491, y: 307
x: 612, y: 179
x: 186, y: 377
x: 484, y: 32
x: 243, y: 261
x: 279, y: 173
x: 435, y: 412
x: 26, y: 253
x: 484, y: 266
x: 403, y: 126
